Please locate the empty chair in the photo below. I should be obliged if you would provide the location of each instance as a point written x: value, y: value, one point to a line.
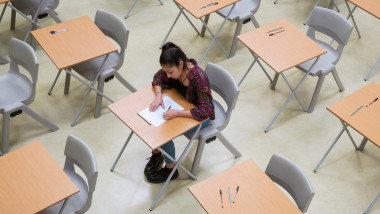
x: 79, y: 154
x: 290, y: 177
x: 337, y: 27
x: 113, y: 27
x: 224, y: 85
x: 243, y: 12
x: 18, y: 90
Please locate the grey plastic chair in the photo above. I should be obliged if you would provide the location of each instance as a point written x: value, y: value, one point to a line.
x: 290, y: 177
x: 243, y: 12
x: 113, y: 27
x: 79, y: 154
x: 334, y: 25
x: 18, y: 90
x: 224, y: 85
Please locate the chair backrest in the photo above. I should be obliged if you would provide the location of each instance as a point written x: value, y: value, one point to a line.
x: 114, y: 27
x: 330, y: 23
x: 222, y: 82
x: 29, y: 7
x: 20, y: 53
x: 289, y: 176
x: 80, y: 154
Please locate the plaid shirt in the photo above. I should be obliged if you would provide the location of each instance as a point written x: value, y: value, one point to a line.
x: 198, y: 92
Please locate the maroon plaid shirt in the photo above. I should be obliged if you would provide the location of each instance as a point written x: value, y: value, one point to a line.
x: 198, y: 92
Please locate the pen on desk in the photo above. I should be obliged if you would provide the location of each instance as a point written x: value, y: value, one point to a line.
x: 275, y: 29
x: 276, y: 32
x: 168, y: 108
x: 357, y: 109
x: 229, y: 195
x: 372, y: 101
x: 210, y: 4
x: 58, y: 31
x: 221, y: 198
x: 237, y: 189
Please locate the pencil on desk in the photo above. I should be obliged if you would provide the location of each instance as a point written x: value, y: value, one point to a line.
x: 357, y: 109
x: 237, y: 190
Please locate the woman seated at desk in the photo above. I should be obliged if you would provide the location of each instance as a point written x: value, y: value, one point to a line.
x: 190, y: 81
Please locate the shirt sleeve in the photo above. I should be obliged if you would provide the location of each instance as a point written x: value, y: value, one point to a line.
x: 162, y: 80
x: 205, y: 108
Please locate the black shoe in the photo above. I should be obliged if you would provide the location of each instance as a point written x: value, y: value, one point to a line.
x: 154, y: 164
x: 161, y: 175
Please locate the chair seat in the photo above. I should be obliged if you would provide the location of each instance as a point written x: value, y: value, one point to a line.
x: 212, y: 127
x: 75, y: 202
x: 242, y: 10
x: 325, y: 62
x: 89, y: 68
x: 29, y: 7
x: 18, y: 89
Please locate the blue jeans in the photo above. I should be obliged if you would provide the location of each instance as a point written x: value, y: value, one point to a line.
x: 169, y: 146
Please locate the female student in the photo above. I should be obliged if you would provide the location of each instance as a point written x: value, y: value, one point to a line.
x: 190, y: 81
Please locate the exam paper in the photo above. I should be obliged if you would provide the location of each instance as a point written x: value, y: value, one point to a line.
x: 155, y: 118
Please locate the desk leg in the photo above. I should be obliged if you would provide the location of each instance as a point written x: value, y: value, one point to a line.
x: 54, y: 82
x: 23, y: 15
x: 345, y: 125
x: 89, y: 90
x: 291, y: 95
x: 121, y: 151
x: 178, y: 163
x: 33, y: 24
x: 216, y: 35
x: 372, y: 69
x: 175, y: 21
x: 2, y: 12
x: 362, y: 144
x: 291, y: 88
x: 353, y: 19
x: 63, y: 206
x: 130, y: 9
x: 249, y: 68
x: 373, y: 202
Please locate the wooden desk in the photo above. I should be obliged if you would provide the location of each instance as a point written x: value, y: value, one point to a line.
x: 31, y: 180
x: 194, y: 7
x: 82, y: 41
x: 372, y: 7
x: 365, y: 121
x: 257, y: 192
x: 286, y: 48
x: 126, y: 110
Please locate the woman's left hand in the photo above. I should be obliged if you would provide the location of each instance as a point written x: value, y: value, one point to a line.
x: 170, y: 114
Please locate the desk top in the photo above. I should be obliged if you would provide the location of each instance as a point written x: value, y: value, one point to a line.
x: 83, y: 41
x: 127, y: 108
x: 286, y: 48
x: 366, y: 121
x: 257, y: 192
x: 31, y: 180
x: 370, y: 6
x: 194, y: 6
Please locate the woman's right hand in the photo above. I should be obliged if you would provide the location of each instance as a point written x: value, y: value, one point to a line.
x: 155, y: 103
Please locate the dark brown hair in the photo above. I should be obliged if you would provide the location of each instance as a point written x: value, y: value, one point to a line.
x: 171, y: 55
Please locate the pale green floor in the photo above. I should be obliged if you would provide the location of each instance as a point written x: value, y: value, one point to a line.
x: 346, y: 182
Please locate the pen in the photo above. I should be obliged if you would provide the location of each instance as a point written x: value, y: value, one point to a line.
x: 229, y: 195
x: 168, y: 108
x: 357, y: 109
x: 275, y: 29
x: 276, y: 32
x: 372, y: 101
x: 221, y: 198
x: 58, y: 31
x: 237, y: 189
x: 212, y: 3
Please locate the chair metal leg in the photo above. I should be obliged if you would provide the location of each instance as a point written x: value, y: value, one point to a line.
x: 337, y: 80
x: 207, y: 17
x: 274, y: 82
x: 228, y: 145
x: 197, y: 157
x: 98, y: 103
x: 317, y: 90
x: 67, y: 83
x: 5, y: 138
x: 363, y: 143
x: 121, y: 151
x: 125, y: 82
x: 235, y: 40
x: 2, y: 12
x: 54, y: 16
x: 372, y: 69
x: 13, y: 20
x: 39, y: 118
x: 372, y: 203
